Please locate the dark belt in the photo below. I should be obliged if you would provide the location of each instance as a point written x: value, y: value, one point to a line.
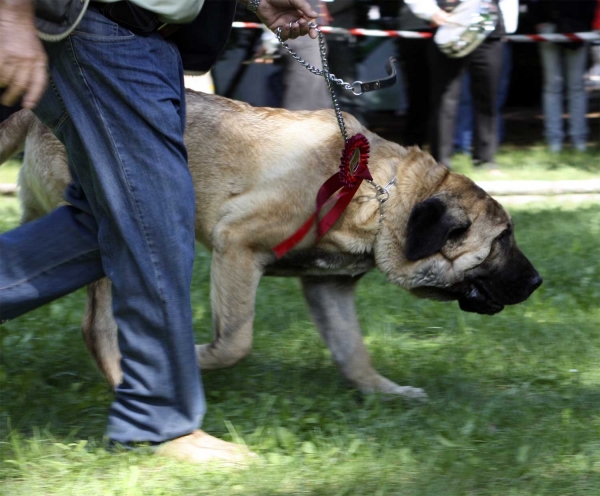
x: 136, y: 19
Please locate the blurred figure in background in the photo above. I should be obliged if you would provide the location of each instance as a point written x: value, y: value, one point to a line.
x: 343, y: 51
x: 484, y: 65
x: 463, y: 134
x: 302, y: 90
x: 416, y: 72
x: 564, y: 63
x: 594, y: 73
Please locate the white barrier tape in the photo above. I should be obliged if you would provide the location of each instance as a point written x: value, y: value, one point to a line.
x: 518, y: 38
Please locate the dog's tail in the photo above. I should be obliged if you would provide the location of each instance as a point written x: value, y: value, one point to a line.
x: 13, y: 132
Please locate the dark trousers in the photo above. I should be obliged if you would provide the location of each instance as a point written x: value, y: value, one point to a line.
x: 484, y: 65
x: 413, y: 53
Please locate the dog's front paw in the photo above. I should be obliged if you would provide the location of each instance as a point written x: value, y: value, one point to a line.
x: 382, y: 385
x: 409, y: 393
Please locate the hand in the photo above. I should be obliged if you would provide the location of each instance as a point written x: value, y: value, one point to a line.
x: 23, y: 60
x: 292, y: 16
x: 440, y: 18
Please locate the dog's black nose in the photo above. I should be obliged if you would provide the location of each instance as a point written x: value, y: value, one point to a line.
x: 536, y: 281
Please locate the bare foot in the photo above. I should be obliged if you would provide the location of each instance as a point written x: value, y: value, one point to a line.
x: 200, y: 447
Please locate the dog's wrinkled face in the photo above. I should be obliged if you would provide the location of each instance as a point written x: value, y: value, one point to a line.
x: 459, y: 245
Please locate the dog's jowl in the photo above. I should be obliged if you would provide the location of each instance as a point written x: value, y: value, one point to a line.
x: 256, y: 172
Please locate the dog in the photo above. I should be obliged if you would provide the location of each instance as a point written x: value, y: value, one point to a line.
x: 256, y: 173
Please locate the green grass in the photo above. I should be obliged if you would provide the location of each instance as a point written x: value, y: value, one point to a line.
x: 9, y: 172
x: 534, y: 162
x: 514, y: 408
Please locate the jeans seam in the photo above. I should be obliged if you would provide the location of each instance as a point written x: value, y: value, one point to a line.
x: 65, y: 114
x: 138, y: 213
x: 46, y: 269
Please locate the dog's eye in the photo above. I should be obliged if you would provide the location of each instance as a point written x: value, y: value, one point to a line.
x: 505, y: 235
x: 458, y: 233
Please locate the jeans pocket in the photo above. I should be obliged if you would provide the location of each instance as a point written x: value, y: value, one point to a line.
x: 51, y: 109
x: 96, y: 27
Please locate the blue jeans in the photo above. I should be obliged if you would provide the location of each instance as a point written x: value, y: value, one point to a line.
x: 117, y: 102
x: 564, y: 64
x: 463, y: 132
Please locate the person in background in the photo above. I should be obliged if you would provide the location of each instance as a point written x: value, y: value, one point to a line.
x: 484, y: 65
x: 564, y: 64
x: 463, y: 133
x: 343, y: 54
x: 594, y: 72
x: 120, y: 113
x: 416, y: 72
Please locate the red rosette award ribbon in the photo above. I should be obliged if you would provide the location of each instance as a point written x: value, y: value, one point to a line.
x: 339, y: 188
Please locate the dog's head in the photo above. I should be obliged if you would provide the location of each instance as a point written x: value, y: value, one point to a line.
x: 455, y: 244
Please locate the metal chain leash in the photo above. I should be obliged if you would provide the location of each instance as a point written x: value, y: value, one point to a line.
x: 329, y: 78
x: 382, y: 193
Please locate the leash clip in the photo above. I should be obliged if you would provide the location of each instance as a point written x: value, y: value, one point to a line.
x: 382, y: 194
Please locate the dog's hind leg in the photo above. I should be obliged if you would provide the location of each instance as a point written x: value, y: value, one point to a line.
x: 331, y: 303
x: 99, y: 331
x: 235, y: 274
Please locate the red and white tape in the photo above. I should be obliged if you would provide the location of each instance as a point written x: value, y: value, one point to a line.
x: 520, y: 38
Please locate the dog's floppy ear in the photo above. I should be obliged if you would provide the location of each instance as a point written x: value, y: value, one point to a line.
x: 429, y: 225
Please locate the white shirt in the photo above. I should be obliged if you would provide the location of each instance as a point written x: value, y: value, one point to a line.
x: 425, y: 9
x: 171, y: 11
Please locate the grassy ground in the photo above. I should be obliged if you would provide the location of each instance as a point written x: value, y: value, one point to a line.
x: 514, y: 408
x: 534, y: 162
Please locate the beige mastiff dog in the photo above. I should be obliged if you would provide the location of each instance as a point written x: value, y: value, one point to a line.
x: 257, y: 172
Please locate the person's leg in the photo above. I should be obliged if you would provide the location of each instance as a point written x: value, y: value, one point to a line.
x: 552, y: 94
x: 576, y: 64
x: 413, y: 54
x: 485, y: 64
x: 463, y: 134
x: 124, y: 100
x: 46, y: 259
x: 446, y: 77
x: 503, y: 88
x: 55, y: 254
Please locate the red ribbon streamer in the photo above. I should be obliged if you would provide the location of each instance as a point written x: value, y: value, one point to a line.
x: 353, y: 170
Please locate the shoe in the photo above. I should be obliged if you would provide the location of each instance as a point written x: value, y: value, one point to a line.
x: 580, y: 147
x: 200, y: 447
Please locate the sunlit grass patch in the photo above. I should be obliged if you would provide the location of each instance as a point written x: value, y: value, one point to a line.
x: 534, y: 163
x: 9, y: 171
